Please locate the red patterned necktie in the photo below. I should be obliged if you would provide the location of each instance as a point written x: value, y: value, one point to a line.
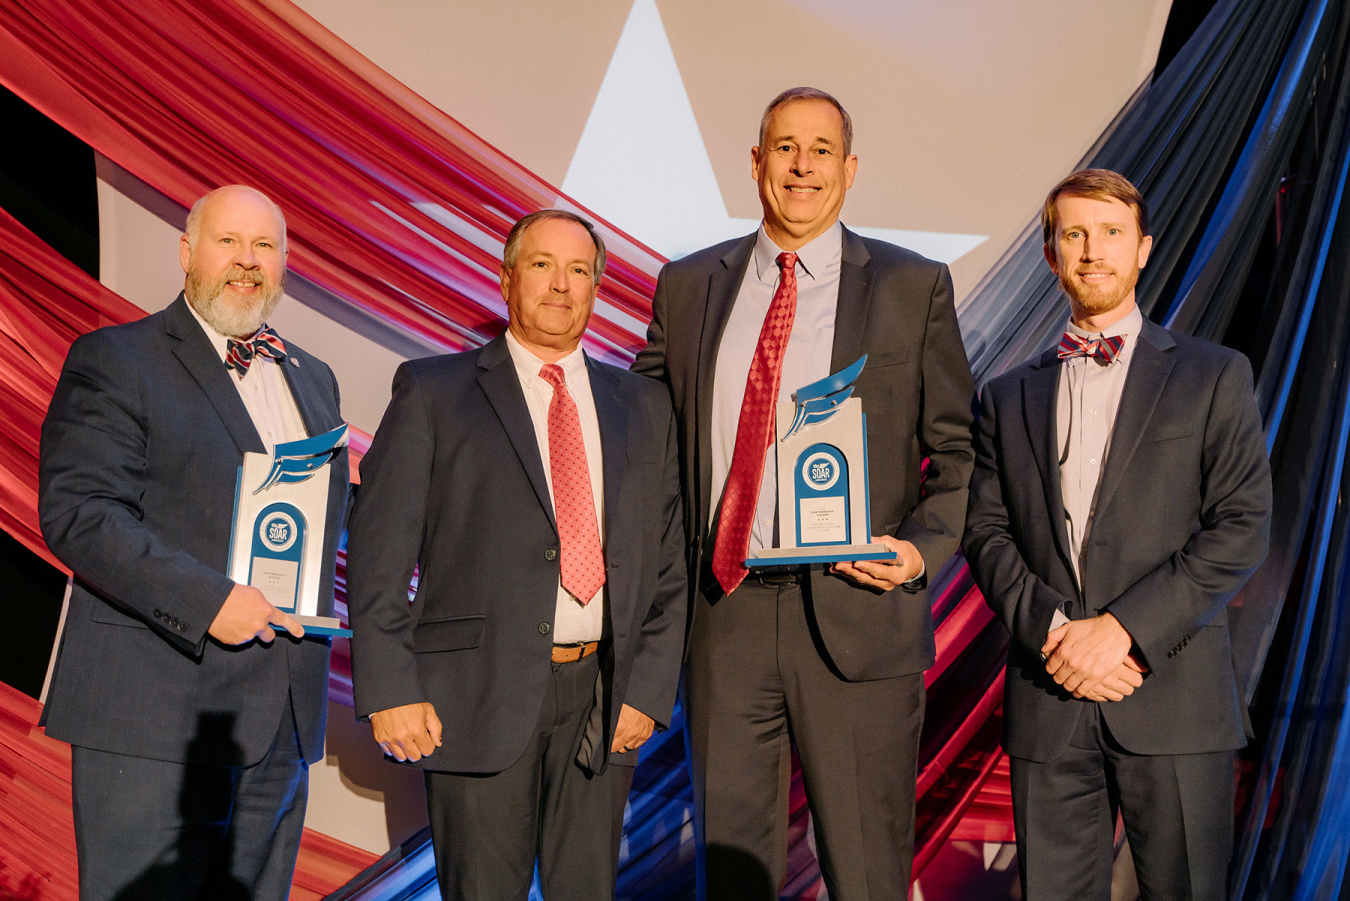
x: 1103, y: 350
x: 583, y: 563
x: 265, y: 341
x: 754, y: 432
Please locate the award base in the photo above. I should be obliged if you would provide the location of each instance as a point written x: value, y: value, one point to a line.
x: 324, y: 625
x: 837, y: 553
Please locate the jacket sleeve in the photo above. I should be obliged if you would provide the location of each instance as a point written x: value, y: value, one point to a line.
x: 651, y: 360
x: 92, y: 478
x: 1195, y: 584
x: 1026, y: 604
x: 383, y: 543
x: 655, y: 675
x: 933, y: 526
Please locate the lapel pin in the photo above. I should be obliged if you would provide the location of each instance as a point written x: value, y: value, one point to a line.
x: 294, y: 361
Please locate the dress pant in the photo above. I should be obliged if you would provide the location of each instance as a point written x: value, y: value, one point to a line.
x: 757, y: 682
x: 1178, y: 813
x: 151, y: 830
x: 488, y: 829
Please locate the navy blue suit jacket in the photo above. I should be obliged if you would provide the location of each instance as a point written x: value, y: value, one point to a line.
x: 140, y: 453
x: 1182, y: 520
x: 454, y: 483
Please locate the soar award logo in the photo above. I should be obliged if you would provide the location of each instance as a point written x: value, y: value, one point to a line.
x: 277, y: 531
x: 820, y: 470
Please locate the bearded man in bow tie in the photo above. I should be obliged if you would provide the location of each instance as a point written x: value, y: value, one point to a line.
x: 1121, y: 497
x: 193, y: 705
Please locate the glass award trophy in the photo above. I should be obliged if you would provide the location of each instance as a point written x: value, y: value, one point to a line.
x: 280, y: 521
x: 821, y: 449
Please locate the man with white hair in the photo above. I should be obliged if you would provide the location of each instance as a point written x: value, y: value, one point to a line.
x: 192, y: 723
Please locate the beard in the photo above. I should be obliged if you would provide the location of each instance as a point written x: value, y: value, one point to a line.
x: 1091, y: 301
x: 236, y: 317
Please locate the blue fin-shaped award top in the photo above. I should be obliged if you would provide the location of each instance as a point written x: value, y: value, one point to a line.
x: 295, y: 461
x: 820, y: 400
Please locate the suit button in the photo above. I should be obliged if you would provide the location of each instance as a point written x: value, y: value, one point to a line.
x: 1172, y: 653
x: 543, y: 628
x: 180, y: 626
x: 550, y: 554
x: 1185, y: 641
x: 158, y: 614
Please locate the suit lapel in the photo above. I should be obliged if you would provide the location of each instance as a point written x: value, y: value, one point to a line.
x: 306, y: 392
x: 723, y: 285
x: 195, y: 352
x: 1148, y: 374
x: 501, y: 385
x: 1040, y: 395
x: 855, y: 294
x: 612, y: 414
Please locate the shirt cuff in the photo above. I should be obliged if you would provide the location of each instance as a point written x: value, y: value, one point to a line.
x: 917, y: 581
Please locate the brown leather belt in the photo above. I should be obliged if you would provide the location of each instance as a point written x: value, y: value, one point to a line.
x: 571, y: 653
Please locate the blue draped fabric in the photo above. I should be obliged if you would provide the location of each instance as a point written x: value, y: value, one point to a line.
x: 1242, y: 148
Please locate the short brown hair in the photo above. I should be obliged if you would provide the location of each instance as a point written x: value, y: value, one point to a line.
x: 794, y: 94
x: 517, y: 234
x: 1099, y: 184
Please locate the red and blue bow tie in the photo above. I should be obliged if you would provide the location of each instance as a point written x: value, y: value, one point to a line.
x: 1104, y: 350
x: 265, y: 341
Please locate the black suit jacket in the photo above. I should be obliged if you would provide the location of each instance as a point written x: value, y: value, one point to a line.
x: 140, y: 453
x: 916, y: 390
x: 1182, y: 519
x: 454, y: 483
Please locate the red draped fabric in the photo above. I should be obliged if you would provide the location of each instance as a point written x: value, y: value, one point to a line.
x: 45, y: 304
x: 391, y: 204
x: 394, y: 207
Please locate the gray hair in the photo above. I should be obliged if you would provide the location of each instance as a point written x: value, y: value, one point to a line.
x: 517, y: 235
x: 194, y: 217
x: 793, y: 94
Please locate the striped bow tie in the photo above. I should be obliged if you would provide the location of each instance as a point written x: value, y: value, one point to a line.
x: 1103, y: 350
x: 265, y: 341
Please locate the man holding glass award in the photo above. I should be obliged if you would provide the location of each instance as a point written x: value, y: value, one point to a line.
x: 192, y: 723
x: 799, y: 616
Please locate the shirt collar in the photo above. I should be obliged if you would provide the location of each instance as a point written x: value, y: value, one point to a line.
x: 813, y: 258
x: 528, y: 365
x: 1128, y: 327
x: 218, y: 341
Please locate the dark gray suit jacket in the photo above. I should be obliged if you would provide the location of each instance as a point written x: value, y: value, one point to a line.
x: 896, y: 307
x: 454, y: 484
x: 140, y: 453
x: 1182, y: 519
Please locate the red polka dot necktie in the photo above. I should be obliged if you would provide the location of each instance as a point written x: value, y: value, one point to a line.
x: 583, y: 563
x: 754, y: 432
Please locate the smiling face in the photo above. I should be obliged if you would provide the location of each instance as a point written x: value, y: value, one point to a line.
x: 1097, y: 253
x: 550, y: 292
x: 802, y: 171
x: 235, y: 260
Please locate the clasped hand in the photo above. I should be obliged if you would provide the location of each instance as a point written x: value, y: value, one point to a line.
x: 1091, y: 659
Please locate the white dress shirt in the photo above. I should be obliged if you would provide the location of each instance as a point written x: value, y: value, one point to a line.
x: 264, y: 391
x: 573, y: 621
x: 807, y: 359
x: 1085, y: 417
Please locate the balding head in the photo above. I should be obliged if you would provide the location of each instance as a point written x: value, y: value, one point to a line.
x: 243, y: 192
